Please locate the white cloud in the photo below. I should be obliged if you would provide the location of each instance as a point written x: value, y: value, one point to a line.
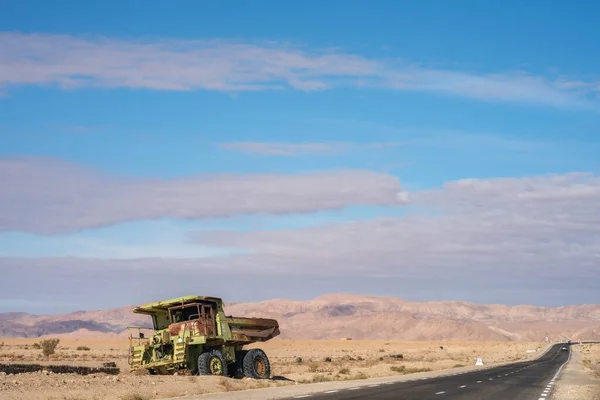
x: 72, y: 62
x: 537, y: 238
x: 49, y: 196
x: 513, y: 227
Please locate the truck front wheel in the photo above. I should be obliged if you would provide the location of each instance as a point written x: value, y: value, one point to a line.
x: 212, y: 362
x: 256, y: 364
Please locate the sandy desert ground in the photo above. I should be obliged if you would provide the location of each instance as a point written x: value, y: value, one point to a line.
x: 293, y: 362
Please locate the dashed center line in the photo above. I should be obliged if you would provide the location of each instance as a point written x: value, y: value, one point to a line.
x: 544, y: 395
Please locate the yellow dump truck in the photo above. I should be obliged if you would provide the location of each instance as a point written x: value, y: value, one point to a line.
x: 192, y: 333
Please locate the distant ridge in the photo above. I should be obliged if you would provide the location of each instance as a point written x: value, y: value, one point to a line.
x: 335, y: 315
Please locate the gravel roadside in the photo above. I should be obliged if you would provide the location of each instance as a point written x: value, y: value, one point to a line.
x: 575, y: 382
x: 311, y: 388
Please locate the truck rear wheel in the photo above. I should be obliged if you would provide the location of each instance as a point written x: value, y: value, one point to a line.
x: 212, y: 362
x: 256, y: 364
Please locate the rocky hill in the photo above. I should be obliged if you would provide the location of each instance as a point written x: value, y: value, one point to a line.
x: 360, y: 317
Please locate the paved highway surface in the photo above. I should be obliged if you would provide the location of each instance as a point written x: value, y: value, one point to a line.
x: 530, y: 380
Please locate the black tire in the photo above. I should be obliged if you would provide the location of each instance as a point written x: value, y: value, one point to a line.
x: 256, y: 364
x: 237, y: 370
x: 212, y: 362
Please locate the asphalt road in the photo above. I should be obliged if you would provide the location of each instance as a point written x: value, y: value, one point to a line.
x: 530, y: 380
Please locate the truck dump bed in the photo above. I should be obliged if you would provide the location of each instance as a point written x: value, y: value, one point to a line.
x: 252, y: 329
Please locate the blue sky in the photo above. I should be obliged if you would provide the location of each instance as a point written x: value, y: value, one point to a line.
x: 232, y: 135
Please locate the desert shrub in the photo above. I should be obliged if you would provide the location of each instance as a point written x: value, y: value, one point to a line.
x: 36, y: 346
x: 327, y: 359
x: 360, y: 375
x: 401, y: 369
x: 321, y: 378
x: 299, y: 360
x: 313, y: 367
x: 415, y: 370
x: 48, y: 346
x: 344, y: 371
x: 135, y: 396
x: 83, y: 348
x: 381, y: 350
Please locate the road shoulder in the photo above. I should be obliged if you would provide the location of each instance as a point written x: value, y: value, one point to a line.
x: 576, y: 382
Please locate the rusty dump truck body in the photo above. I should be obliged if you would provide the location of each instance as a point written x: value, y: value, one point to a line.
x: 193, y: 333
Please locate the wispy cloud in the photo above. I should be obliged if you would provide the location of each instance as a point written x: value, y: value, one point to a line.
x: 530, y: 234
x: 297, y: 149
x: 72, y: 62
x: 48, y: 196
x: 509, y: 227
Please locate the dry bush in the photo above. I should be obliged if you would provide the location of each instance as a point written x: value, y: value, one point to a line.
x: 83, y: 348
x: 36, y: 346
x: 402, y: 369
x: 344, y: 371
x: 49, y: 346
x: 135, y: 396
x: 321, y: 378
x: 415, y: 370
x: 313, y: 367
x: 360, y: 375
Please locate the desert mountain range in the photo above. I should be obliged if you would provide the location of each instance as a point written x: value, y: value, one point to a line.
x: 359, y: 317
